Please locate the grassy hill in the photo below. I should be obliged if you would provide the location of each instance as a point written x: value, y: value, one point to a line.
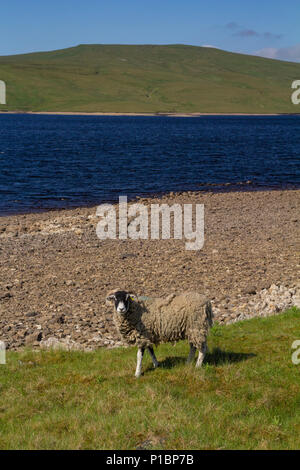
x: 121, y: 78
x: 245, y: 396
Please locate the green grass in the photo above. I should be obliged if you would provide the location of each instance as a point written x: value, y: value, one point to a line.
x: 173, y: 78
x: 246, y: 396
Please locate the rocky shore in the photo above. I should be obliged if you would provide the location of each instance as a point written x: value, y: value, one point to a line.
x: 55, y: 272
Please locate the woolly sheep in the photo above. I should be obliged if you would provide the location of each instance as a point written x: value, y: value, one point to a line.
x: 144, y: 322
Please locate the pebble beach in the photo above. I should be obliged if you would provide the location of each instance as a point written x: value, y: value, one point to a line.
x: 55, y: 271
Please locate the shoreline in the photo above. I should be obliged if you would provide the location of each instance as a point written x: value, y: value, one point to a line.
x: 145, y: 114
x: 222, y: 188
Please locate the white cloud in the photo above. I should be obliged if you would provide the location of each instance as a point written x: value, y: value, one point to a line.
x: 209, y: 45
x: 285, y: 53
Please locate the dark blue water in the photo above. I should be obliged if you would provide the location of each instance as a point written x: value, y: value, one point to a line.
x: 66, y: 161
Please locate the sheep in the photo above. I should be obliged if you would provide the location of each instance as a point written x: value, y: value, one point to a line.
x: 145, y: 322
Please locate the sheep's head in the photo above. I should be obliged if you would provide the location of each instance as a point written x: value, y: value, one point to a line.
x: 121, y: 300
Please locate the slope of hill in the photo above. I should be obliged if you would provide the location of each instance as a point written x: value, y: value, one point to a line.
x: 121, y: 78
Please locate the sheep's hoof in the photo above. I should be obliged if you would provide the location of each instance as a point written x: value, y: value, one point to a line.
x: 198, y: 366
x: 138, y: 375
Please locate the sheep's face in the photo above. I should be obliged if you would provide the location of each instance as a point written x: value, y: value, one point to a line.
x: 121, y: 300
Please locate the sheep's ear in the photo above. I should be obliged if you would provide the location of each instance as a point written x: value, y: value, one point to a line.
x: 110, y: 298
x: 131, y: 296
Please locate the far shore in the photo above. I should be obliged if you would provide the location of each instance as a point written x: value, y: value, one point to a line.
x: 73, y: 113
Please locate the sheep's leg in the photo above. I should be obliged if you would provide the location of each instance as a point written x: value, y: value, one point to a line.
x: 201, y: 355
x: 140, y: 354
x: 191, y: 354
x: 153, y: 357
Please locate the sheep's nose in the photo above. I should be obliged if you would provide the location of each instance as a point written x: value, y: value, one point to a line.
x: 121, y: 309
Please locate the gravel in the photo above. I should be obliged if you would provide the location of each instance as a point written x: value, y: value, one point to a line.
x: 55, y: 272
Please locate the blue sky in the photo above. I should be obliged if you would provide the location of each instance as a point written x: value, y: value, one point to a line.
x: 266, y: 27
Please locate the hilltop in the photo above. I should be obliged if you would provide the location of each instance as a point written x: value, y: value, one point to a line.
x: 147, y: 79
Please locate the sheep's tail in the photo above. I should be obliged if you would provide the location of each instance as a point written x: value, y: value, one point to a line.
x: 209, y: 313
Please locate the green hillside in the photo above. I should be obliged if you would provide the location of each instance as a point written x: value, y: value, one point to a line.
x: 175, y: 78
